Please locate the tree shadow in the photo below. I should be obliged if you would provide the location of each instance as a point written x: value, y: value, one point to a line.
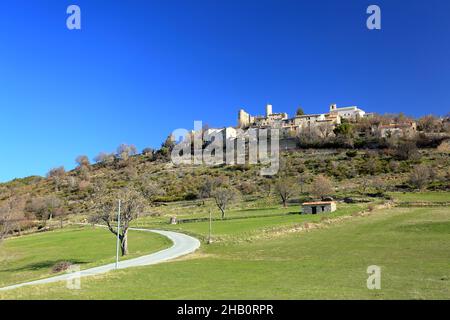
x: 42, y: 265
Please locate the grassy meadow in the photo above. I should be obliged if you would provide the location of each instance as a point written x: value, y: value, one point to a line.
x: 264, y: 257
x: 33, y: 256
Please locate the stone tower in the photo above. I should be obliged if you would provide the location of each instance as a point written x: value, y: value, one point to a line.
x: 268, y: 110
x: 243, y: 119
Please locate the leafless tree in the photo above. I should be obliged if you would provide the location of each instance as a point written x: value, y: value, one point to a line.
x: 100, y: 157
x: 131, y: 172
x: 321, y: 187
x: 419, y: 176
x: 223, y: 197
x: 54, y: 205
x: 364, y: 184
x: 209, y: 184
x: 44, y: 208
x: 82, y: 161
x: 60, y: 213
x: 148, y: 151
x: 57, y: 176
x: 6, y: 212
x: 104, y: 157
x: 302, y: 180
x: 325, y: 130
x: 124, y: 151
x: 378, y: 184
x: 429, y: 123
x: 93, y: 219
x: 38, y: 207
x: 285, y: 188
x: 150, y: 188
x: 407, y: 150
x: 132, y: 203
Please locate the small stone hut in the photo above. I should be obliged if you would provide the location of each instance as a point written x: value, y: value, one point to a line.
x: 318, y: 207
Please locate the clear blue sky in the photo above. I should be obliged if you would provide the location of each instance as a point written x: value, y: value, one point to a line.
x: 139, y: 69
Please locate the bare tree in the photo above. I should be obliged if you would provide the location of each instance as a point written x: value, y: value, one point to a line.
x: 82, y: 161
x: 93, y: 219
x: 57, y: 176
x: 378, y: 184
x: 37, y: 206
x: 224, y: 196
x: 407, y: 150
x: 285, y: 188
x: 44, y: 208
x: 151, y: 189
x: 302, y: 180
x: 321, y: 187
x: 148, y: 151
x: 132, y: 204
x: 325, y: 130
x: 6, y: 212
x: 54, y: 205
x: 124, y: 151
x: 429, y: 123
x: 419, y: 176
x: 100, y: 157
x: 209, y: 184
x: 60, y: 213
x: 104, y: 157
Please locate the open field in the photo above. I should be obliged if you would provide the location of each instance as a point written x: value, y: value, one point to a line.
x: 246, y: 223
x: 32, y: 257
x: 432, y: 197
x: 409, y: 244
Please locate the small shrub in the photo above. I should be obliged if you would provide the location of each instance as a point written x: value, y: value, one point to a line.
x: 351, y: 153
x: 61, y: 266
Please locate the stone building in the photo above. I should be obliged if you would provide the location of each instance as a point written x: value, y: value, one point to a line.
x: 270, y: 119
x: 321, y: 123
x: 318, y: 207
x: 281, y: 120
x: 407, y: 129
x: 351, y: 113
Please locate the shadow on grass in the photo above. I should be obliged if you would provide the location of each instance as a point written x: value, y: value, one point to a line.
x: 42, y: 265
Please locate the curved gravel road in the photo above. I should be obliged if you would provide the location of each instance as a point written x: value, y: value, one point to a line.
x: 182, y: 245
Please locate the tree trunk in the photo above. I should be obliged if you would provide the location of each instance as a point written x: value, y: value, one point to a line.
x: 284, y: 201
x: 124, y: 243
x: 223, y: 213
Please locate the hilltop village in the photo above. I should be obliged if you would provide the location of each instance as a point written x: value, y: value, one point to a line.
x: 322, y: 125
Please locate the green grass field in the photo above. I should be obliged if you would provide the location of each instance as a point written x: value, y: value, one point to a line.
x: 33, y: 256
x: 411, y: 245
x: 434, y: 197
x: 242, y: 223
x: 241, y: 229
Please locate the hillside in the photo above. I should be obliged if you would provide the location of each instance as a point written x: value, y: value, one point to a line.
x: 359, y: 174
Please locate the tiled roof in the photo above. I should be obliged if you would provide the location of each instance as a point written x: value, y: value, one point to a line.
x: 317, y: 203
